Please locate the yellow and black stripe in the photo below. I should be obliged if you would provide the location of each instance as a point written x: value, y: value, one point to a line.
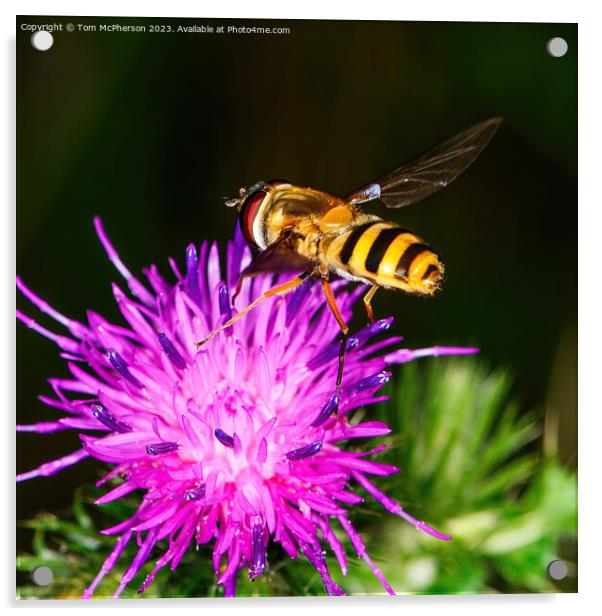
x: 388, y: 255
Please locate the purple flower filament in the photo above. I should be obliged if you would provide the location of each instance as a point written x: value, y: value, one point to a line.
x: 170, y: 350
x: 254, y: 390
x: 258, y: 558
x: 369, y: 383
x: 194, y: 494
x: 159, y: 449
x: 305, y: 451
x: 119, y: 364
x: 224, y: 301
x: 225, y: 439
x: 327, y: 410
x: 99, y: 411
x: 192, y: 278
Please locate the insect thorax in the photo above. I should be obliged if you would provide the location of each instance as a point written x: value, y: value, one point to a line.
x: 299, y: 209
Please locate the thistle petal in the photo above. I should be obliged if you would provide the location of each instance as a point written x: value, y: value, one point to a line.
x: 241, y: 442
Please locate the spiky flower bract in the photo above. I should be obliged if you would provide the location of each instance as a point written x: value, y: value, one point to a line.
x: 234, y: 443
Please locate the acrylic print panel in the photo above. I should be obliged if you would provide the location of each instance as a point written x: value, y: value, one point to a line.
x: 164, y: 449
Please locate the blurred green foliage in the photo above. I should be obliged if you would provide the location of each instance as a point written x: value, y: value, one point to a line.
x: 470, y: 462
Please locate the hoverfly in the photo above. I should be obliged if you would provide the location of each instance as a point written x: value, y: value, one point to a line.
x: 305, y: 229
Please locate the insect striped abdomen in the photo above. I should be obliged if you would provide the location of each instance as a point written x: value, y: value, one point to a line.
x: 387, y: 255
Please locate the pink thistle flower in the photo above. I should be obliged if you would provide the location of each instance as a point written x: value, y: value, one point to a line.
x: 234, y: 443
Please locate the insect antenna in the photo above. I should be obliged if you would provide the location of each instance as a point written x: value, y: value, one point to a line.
x: 231, y: 202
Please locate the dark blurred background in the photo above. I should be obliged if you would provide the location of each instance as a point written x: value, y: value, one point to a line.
x: 151, y: 130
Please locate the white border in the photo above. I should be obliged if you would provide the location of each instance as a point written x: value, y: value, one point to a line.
x: 590, y: 229
x: 428, y: 10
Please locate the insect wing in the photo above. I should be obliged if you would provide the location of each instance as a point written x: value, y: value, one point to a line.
x: 278, y: 257
x: 430, y: 171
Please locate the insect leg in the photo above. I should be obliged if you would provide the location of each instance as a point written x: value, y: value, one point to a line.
x: 239, y: 287
x: 332, y: 304
x: 279, y: 255
x: 279, y: 290
x: 367, y: 299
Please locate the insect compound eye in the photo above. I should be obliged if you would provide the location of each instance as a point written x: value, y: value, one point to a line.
x: 248, y: 214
